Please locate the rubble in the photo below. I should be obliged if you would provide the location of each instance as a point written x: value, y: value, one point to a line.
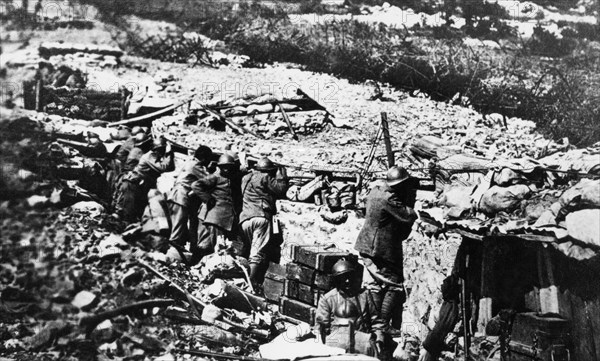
x: 85, y: 300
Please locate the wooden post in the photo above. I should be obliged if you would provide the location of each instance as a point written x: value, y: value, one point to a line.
x: 38, y: 95
x: 287, y: 121
x: 386, y: 138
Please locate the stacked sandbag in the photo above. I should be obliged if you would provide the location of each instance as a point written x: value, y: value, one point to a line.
x: 577, y: 210
x: 505, y: 188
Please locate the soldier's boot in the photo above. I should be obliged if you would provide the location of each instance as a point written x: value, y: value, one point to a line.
x: 391, y: 309
x: 257, y: 276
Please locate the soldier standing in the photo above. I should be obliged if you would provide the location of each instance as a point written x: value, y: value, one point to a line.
x: 217, y: 216
x: 260, y: 190
x: 389, y: 219
x: 183, y: 204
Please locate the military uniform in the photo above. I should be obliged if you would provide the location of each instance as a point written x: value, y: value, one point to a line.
x: 217, y: 216
x: 336, y: 310
x: 260, y: 191
x: 389, y: 220
x: 136, y: 184
x: 182, y: 205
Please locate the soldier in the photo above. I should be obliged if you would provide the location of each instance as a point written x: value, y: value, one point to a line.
x: 389, y: 219
x: 183, y: 203
x: 136, y: 184
x: 95, y: 148
x: 347, y: 316
x: 128, y: 158
x: 218, y: 218
x: 132, y: 142
x: 260, y: 190
x: 232, y: 169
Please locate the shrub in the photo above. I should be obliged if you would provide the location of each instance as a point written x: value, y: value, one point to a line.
x: 546, y: 43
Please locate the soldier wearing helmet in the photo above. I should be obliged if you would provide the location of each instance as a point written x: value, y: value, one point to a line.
x: 132, y: 149
x: 347, y: 316
x: 218, y: 215
x: 184, y: 204
x: 94, y: 148
x: 127, y: 157
x: 136, y: 184
x: 260, y: 190
x: 388, y: 222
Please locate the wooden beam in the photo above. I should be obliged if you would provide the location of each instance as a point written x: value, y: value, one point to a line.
x: 147, y: 118
x: 386, y: 138
x: 287, y: 121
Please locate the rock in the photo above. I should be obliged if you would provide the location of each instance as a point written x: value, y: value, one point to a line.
x: 85, y: 300
x: 133, y: 276
x: 165, y: 357
x: 37, y: 201
x: 13, y: 345
x: 111, y: 247
x: 52, y: 331
x: 146, y: 342
x: 211, y: 313
x: 109, y: 348
x: 94, y: 208
x: 104, y: 332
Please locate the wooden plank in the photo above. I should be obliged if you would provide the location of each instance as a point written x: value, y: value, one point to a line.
x: 147, y: 118
x: 467, y: 234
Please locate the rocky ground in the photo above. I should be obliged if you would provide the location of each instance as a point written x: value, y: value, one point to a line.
x: 63, y: 260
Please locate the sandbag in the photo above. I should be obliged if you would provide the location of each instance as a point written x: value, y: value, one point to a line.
x: 457, y: 197
x: 584, y: 226
x: 457, y: 200
x: 497, y: 199
x: 588, y: 189
x: 336, y: 218
x: 506, y: 177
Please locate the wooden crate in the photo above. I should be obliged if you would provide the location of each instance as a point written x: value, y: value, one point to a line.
x: 274, y: 283
x: 318, y: 257
x: 298, y: 310
x: 308, y: 276
x: 302, y: 292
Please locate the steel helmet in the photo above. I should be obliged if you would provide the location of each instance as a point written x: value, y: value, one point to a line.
x: 226, y: 159
x: 140, y: 139
x: 203, y: 153
x: 136, y: 130
x: 397, y: 175
x: 159, y: 143
x: 342, y: 267
x: 264, y: 164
